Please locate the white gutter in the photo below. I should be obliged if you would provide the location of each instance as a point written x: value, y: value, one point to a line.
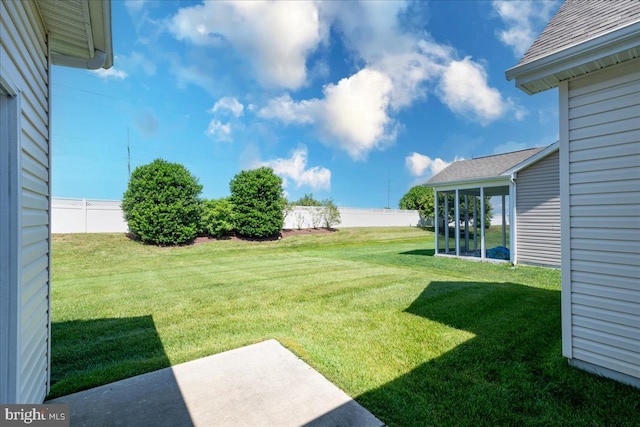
x: 513, y: 218
x: 98, y: 61
x: 493, y: 181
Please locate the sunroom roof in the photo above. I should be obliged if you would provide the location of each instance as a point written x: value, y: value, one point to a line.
x: 482, y: 167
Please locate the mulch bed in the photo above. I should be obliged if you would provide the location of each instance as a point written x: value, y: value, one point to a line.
x: 282, y: 235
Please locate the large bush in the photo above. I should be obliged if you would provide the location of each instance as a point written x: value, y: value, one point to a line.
x: 258, y: 202
x: 217, y: 217
x: 161, y: 204
x: 419, y: 198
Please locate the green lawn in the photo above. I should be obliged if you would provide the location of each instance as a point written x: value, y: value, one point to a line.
x: 416, y: 339
x: 493, y: 238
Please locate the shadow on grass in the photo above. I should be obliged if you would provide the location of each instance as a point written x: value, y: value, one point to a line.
x: 510, y: 373
x: 420, y: 252
x: 92, y: 353
x: 125, y: 347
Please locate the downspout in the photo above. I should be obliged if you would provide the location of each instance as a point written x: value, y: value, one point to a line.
x: 436, y: 219
x: 504, y: 219
x: 483, y: 247
x: 513, y: 219
x: 456, y: 209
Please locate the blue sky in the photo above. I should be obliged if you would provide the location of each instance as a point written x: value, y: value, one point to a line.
x: 355, y: 101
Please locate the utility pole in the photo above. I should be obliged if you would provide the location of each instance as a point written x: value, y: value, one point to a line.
x: 128, y: 153
x: 388, y: 190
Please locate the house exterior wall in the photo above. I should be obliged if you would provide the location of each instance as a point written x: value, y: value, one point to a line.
x: 24, y: 341
x: 600, y: 177
x: 538, y: 213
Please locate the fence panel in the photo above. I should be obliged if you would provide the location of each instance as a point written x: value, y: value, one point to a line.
x: 106, y: 216
x: 86, y: 216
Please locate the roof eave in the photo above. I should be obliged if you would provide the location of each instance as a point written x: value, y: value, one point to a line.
x: 604, y: 50
x: 92, y: 46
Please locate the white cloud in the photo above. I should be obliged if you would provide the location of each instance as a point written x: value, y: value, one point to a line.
x: 464, y: 89
x: 295, y: 169
x: 355, y: 116
x: 191, y: 74
x: 372, y: 32
x: 135, y: 5
x: 352, y: 116
x: 370, y: 29
x: 275, y: 37
x: 409, y: 72
x: 547, y: 116
x: 136, y: 59
x: 393, y: 67
x: 524, y: 21
x: 111, y: 73
x: 519, y: 112
x: 228, y: 103
x: 285, y: 109
x: 414, y: 61
x: 417, y: 164
x: 219, y: 131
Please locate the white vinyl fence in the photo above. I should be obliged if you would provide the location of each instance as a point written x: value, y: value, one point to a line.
x: 310, y: 217
x: 87, y: 216
x: 106, y: 216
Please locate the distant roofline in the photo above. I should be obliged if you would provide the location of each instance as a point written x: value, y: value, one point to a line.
x: 533, y: 159
x: 504, y: 176
x: 501, y: 154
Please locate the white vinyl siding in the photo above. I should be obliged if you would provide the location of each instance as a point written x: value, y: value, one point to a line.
x: 604, y: 218
x: 24, y: 63
x: 538, y: 213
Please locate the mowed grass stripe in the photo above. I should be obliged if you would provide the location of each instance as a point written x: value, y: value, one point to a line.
x: 417, y: 339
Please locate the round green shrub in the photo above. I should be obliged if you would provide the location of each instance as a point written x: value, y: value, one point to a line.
x: 258, y: 203
x: 161, y: 204
x: 217, y: 217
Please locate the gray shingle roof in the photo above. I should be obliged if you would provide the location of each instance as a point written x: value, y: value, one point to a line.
x: 482, y: 167
x: 580, y: 20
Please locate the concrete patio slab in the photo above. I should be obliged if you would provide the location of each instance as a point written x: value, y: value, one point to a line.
x: 259, y: 385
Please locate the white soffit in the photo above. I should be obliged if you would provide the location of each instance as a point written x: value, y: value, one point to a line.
x: 79, y: 32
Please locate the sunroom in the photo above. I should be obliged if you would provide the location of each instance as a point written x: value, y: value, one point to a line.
x: 520, y: 189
